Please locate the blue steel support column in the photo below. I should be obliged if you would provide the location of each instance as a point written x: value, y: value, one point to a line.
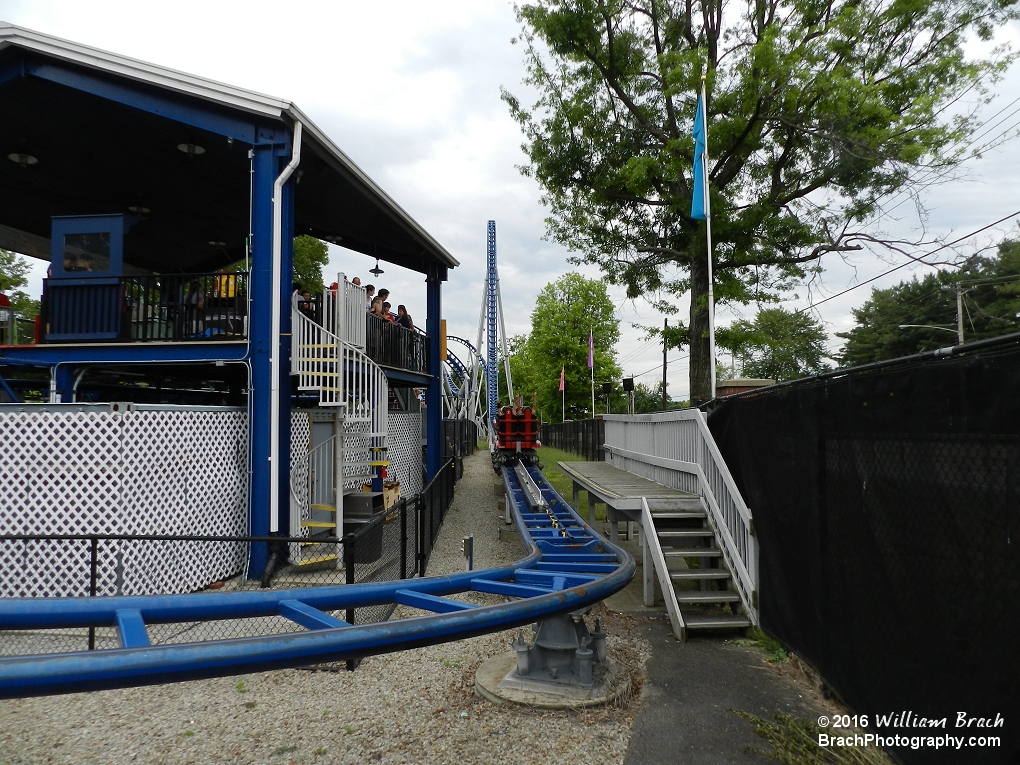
x: 434, y: 394
x: 266, y: 168
x: 286, y: 287
x: 491, y: 368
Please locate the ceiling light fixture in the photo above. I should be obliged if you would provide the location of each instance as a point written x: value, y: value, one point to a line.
x: 22, y: 158
x: 217, y: 244
x: 139, y: 209
x: 191, y: 149
x: 376, y: 270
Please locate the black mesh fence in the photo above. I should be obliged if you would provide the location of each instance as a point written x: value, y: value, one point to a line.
x: 460, y: 439
x: 582, y: 437
x: 886, y: 505
x: 433, y: 503
x: 391, y: 545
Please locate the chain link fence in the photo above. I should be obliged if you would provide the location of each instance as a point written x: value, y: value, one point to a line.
x: 395, y: 544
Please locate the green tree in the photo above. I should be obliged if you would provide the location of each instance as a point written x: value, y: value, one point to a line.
x: 310, y: 256
x: 817, y: 110
x: 778, y: 345
x: 522, y: 370
x: 565, y: 312
x: 990, y: 290
x: 648, y: 398
x: 14, y: 270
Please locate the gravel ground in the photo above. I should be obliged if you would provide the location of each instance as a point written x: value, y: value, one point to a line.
x: 412, y: 707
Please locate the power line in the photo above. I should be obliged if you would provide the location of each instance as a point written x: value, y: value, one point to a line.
x: 919, y: 259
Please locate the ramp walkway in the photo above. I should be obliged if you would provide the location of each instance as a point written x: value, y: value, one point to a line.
x: 621, y: 492
x: 679, y: 546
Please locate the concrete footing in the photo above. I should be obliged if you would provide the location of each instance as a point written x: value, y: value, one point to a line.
x: 496, y: 680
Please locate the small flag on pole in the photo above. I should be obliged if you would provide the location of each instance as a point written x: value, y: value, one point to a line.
x: 591, y: 350
x: 561, y: 378
x: 700, y: 191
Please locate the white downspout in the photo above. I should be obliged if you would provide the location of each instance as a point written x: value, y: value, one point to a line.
x: 274, y: 356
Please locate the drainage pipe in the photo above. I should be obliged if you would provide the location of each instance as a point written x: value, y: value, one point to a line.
x: 274, y: 357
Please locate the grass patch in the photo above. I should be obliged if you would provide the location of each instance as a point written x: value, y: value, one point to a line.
x: 772, y: 648
x: 285, y: 749
x: 795, y: 742
x: 563, y: 485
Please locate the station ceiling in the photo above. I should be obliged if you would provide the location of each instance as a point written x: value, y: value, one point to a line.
x: 92, y: 154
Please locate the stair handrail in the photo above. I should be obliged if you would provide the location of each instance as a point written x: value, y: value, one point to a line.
x: 652, y: 558
x: 632, y: 449
x: 315, y: 359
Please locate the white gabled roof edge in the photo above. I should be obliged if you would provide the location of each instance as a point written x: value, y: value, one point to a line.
x: 217, y: 92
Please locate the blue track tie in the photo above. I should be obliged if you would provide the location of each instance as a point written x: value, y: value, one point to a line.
x: 507, y: 588
x: 308, y: 617
x: 545, y: 578
x: 559, y: 583
x: 580, y: 558
x: 594, y: 568
x: 132, y: 628
x: 428, y: 602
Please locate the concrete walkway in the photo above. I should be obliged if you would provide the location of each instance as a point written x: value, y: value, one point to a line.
x: 691, y: 689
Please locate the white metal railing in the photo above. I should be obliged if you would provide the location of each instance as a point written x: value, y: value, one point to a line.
x: 315, y: 357
x: 677, y: 449
x: 321, y: 486
x: 653, y: 563
x: 339, y: 370
x: 352, y: 312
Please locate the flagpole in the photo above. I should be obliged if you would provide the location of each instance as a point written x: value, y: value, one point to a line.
x: 591, y: 366
x: 708, y: 234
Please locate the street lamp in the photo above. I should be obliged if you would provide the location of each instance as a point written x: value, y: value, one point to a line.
x: 958, y: 332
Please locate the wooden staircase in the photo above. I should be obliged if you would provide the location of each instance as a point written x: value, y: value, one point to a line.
x: 682, y: 552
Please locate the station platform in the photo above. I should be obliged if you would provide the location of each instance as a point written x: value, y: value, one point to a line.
x: 621, y: 492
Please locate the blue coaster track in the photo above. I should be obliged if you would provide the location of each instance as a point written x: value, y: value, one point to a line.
x: 568, y: 566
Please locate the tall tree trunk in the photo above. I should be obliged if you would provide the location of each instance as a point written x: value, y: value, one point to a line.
x: 700, y: 371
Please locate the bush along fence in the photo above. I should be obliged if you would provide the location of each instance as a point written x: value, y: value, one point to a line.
x: 395, y: 544
x: 584, y: 438
x: 886, y: 504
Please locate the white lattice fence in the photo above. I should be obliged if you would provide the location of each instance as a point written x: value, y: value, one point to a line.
x: 404, y: 443
x: 166, y: 471
x: 300, y: 502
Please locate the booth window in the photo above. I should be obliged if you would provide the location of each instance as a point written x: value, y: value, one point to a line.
x: 87, y: 252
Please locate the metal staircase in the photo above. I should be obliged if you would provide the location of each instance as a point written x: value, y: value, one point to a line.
x: 329, y: 357
x: 691, y: 568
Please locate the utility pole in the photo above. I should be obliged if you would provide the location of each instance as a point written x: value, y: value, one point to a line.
x: 959, y: 313
x: 665, y: 326
x: 959, y: 290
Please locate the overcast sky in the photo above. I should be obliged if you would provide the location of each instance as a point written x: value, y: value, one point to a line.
x: 410, y: 91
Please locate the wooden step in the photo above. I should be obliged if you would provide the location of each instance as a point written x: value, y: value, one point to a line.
x: 678, y: 515
x: 699, y: 573
x: 692, y: 552
x: 696, y: 621
x: 312, y: 560
x: 693, y: 597
x: 685, y: 534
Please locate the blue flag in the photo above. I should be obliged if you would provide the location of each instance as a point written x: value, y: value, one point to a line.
x: 699, y: 190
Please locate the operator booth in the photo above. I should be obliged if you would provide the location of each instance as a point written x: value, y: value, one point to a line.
x: 91, y: 296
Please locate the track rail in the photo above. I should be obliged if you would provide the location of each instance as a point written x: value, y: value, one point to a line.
x: 568, y: 566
